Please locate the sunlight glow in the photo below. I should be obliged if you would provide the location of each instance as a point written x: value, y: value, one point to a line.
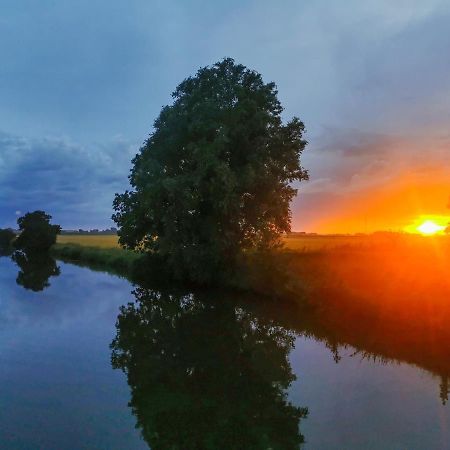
x: 429, y: 228
x: 428, y: 225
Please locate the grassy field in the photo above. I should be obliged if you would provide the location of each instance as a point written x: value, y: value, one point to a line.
x: 308, y: 243
x: 301, y: 243
x: 294, y: 242
x: 102, y: 241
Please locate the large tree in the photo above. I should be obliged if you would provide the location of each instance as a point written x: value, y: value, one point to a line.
x: 37, y: 234
x: 215, y: 177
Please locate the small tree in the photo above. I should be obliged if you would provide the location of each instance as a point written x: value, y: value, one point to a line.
x: 36, y: 233
x: 215, y: 177
x: 7, y: 237
x: 447, y: 230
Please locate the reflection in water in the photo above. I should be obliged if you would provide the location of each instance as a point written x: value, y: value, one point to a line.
x: 445, y: 389
x: 205, y: 373
x: 210, y: 371
x: 35, y: 270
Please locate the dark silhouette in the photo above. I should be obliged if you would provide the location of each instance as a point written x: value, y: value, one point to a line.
x: 444, y: 389
x: 35, y: 270
x: 215, y: 177
x: 36, y: 233
x: 7, y: 237
x: 205, y: 374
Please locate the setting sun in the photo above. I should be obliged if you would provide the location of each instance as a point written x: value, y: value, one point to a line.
x: 429, y: 227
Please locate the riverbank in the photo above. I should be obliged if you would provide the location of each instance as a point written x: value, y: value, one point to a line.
x: 387, y: 298
x: 260, y: 274
x: 107, y: 259
x: 322, y: 270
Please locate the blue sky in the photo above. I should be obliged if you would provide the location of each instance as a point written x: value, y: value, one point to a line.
x: 81, y: 83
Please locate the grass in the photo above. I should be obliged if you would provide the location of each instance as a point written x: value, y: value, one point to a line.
x: 311, y: 243
x: 293, y: 242
x: 297, y: 242
x: 101, y: 241
x: 374, y: 270
x: 110, y: 259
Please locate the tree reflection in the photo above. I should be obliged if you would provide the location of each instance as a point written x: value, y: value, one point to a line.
x: 444, y: 389
x: 205, y: 374
x: 35, y: 270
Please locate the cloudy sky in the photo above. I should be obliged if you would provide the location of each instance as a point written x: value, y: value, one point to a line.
x: 81, y: 83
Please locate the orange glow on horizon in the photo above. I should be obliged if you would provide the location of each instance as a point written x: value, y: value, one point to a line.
x: 429, y: 227
x: 402, y: 204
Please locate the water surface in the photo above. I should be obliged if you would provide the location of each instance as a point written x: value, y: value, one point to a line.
x: 205, y: 370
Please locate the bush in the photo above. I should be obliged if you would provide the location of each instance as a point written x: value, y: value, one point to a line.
x: 37, y: 235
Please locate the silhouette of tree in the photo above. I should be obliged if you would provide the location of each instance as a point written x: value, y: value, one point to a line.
x: 36, y: 232
x: 205, y: 374
x: 7, y: 237
x: 214, y: 178
x: 447, y: 230
x: 35, y: 270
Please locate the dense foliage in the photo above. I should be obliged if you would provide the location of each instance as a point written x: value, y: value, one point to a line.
x: 7, y: 237
x: 36, y: 233
x: 215, y: 177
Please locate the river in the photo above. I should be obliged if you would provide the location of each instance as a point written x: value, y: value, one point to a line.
x: 89, y: 361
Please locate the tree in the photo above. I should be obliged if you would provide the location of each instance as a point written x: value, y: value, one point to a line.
x: 36, y: 232
x: 447, y: 230
x: 214, y: 179
x: 7, y: 237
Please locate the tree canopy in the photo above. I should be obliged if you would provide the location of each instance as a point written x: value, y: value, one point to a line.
x: 36, y: 232
x: 215, y: 177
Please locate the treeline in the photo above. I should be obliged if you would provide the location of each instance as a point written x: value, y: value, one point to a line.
x: 95, y: 231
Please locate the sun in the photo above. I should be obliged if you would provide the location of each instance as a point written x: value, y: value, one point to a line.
x: 429, y: 227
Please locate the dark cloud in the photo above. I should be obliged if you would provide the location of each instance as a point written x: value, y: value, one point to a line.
x: 75, y: 184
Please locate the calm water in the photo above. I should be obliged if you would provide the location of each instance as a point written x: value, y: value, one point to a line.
x: 190, y: 371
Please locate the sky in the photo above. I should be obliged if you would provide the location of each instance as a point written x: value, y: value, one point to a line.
x: 82, y: 82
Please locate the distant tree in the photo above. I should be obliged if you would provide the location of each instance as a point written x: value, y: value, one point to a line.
x: 447, y: 230
x: 36, y: 232
x: 7, y: 237
x: 215, y: 177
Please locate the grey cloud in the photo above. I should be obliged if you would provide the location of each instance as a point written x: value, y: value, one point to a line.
x: 74, y: 183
